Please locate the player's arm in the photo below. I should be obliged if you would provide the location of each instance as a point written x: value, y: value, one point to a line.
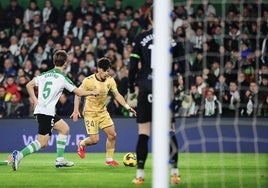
x: 76, y: 114
x: 30, y: 88
x: 135, y: 58
x: 122, y: 101
x: 81, y: 92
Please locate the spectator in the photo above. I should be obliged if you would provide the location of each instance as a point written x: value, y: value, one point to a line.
x: 4, y: 98
x: 122, y: 39
x: 2, y: 77
x: 86, y: 46
x: 88, y: 21
x: 4, y: 55
x: 109, y: 35
x: 92, y: 35
x: 39, y: 56
x: 221, y: 88
x: 99, y: 29
x: 31, y: 45
x: 264, y: 107
x: 211, y: 107
x: 65, y: 8
x: 49, y: 13
x: 8, y: 68
x: 22, y: 57
x: 207, y: 7
x: 14, y: 108
x: 4, y: 40
x: 45, y: 35
x: 64, y: 107
x: 30, y: 11
x: 231, y: 101
x: 68, y: 45
x: 231, y: 41
x: 201, y: 84
x: 102, y: 48
x: 29, y: 69
x: 56, y: 37
x: 91, y: 10
x: 122, y: 20
x: 14, y: 46
x: 117, y: 8
x: 67, y: 23
x: 90, y: 62
x: 79, y: 30
x: 22, y: 81
x: 49, y: 50
x: 229, y: 73
x: 81, y: 10
x: 12, y: 87
x: 134, y: 29
x: 100, y: 7
x: 37, y: 21
x: 14, y: 10
x: 251, y: 101
x: 83, y: 68
x: 16, y: 28
x: 199, y: 39
x: 263, y: 87
x: 196, y: 101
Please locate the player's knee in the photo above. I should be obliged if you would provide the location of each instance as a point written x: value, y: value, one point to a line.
x: 94, y: 140
x: 43, y: 144
x: 112, y: 136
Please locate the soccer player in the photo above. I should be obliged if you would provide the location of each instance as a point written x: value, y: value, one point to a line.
x: 50, y: 87
x: 95, y: 112
x: 141, y: 53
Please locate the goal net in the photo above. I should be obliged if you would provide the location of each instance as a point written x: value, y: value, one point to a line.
x: 220, y: 75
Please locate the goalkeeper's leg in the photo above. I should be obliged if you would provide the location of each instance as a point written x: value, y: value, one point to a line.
x: 142, y: 151
x: 174, y: 155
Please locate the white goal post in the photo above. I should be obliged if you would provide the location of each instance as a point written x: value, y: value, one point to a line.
x: 161, y: 59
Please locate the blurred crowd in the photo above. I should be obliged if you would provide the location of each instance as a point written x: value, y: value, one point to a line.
x: 220, y: 56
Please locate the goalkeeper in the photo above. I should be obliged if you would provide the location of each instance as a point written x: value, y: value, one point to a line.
x: 141, y: 53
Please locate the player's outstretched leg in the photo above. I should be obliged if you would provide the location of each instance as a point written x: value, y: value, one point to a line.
x: 81, y: 151
x: 16, y: 159
x: 63, y: 163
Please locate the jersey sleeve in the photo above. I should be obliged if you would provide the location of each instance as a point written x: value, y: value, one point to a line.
x: 36, y: 81
x: 134, y: 60
x: 69, y: 85
x: 113, y: 85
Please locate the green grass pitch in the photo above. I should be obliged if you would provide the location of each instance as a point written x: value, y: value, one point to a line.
x: 208, y: 170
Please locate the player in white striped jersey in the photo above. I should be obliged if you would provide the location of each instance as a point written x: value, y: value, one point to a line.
x: 50, y: 87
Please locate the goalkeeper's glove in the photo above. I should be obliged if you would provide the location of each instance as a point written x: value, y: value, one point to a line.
x: 132, y: 99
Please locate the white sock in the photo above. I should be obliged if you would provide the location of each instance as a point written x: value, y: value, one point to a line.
x: 109, y: 159
x: 174, y: 171
x: 140, y: 173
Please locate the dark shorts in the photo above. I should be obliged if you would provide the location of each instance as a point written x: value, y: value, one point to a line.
x: 46, y: 123
x: 144, y: 108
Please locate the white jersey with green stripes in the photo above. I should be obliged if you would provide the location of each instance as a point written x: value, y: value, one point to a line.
x: 50, y: 86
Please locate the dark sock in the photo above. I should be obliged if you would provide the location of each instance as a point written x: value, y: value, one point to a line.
x: 142, y: 150
x: 174, y: 150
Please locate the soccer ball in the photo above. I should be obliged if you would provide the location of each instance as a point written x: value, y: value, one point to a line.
x: 130, y: 159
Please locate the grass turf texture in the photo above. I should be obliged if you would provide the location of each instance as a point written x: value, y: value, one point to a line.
x: 210, y: 170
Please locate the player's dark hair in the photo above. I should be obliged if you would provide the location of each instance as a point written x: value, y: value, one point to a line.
x: 59, y: 58
x: 104, y: 63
